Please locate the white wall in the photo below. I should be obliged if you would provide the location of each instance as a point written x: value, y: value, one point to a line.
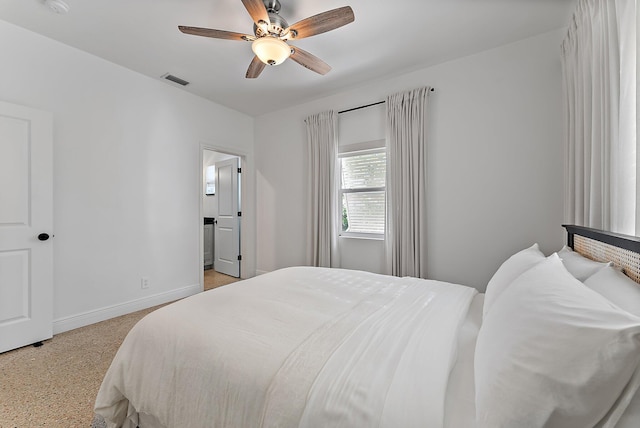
x: 495, y: 161
x: 126, y: 175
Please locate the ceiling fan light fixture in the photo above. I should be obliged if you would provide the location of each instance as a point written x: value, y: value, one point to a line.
x: 270, y: 50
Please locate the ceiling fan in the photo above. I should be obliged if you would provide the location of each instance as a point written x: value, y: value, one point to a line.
x: 271, y: 33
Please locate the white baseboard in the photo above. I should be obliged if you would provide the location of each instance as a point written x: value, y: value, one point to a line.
x: 91, y: 317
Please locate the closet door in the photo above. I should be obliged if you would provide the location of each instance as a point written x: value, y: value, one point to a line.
x: 26, y: 226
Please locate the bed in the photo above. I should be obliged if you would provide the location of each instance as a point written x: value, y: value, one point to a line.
x: 554, y: 341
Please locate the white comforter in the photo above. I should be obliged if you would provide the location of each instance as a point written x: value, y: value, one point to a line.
x: 304, y: 347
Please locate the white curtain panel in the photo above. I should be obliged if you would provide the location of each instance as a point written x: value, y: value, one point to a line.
x: 599, y: 76
x: 406, y: 234
x: 323, y: 224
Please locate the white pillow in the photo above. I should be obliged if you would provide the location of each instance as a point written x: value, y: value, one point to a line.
x: 552, y: 353
x: 622, y: 291
x: 578, y: 265
x: 616, y: 287
x: 508, y: 271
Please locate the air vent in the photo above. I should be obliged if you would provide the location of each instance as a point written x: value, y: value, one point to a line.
x: 175, y: 79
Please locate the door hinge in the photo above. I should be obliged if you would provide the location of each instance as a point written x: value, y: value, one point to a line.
x: 239, y: 213
x: 239, y: 258
x: 239, y: 170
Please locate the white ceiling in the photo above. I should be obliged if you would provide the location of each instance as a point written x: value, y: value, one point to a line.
x: 387, y: 38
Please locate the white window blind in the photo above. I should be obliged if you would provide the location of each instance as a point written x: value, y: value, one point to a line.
x: 363, y: 176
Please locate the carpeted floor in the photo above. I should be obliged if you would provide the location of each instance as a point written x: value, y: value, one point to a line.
x: 56, y: 384
x: 213, y: 279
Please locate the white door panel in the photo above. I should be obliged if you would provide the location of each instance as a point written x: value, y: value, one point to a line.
x: 14, y: 171
x: 26, y: 210
x: 14, y: 301
x: 227, y: 230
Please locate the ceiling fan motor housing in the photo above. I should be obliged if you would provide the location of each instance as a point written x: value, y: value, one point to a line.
x: 276, y: 28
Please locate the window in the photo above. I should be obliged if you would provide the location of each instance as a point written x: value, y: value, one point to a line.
x: 363, y: 194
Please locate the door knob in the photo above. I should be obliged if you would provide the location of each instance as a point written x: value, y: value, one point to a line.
x: 43, y: 236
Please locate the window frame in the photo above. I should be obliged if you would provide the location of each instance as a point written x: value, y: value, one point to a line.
x: 359, y: 149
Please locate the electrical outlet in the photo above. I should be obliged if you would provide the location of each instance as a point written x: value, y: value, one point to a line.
x: 144, y: 282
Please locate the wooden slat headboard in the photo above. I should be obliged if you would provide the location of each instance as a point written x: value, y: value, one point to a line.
x: 602, y: 246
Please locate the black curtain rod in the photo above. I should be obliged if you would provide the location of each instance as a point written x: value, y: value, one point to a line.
x: 368, y: 105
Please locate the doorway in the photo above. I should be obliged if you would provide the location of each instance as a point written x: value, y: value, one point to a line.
x: 221, y: 212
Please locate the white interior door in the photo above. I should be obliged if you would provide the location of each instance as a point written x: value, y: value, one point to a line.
x: 227, y: 224
x: 26, y: 221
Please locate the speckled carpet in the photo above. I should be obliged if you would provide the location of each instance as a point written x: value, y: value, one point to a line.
x: 213, y: 279
x: 55, y: 385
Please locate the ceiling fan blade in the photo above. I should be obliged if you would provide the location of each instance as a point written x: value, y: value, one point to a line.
x: 216, y: 34
x: 255, y: 68
x: 257, y: 10
x: 322, y: 22
x: 309, y: 61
